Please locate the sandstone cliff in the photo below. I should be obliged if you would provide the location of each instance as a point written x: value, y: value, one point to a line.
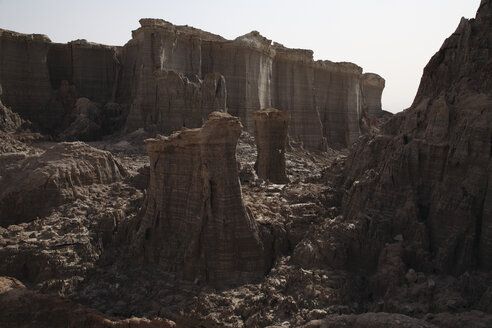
x: 428, y: 176
x: 194, y: 220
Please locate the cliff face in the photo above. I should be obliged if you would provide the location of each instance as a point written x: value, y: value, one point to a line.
x: 428, y: 177
x: 161, y: 78
x: 92, y: 68
x: 372, y: 89
x: 339, y: 100
x: 246, y: 64
x: 32, y: 68
x: 24, y: 76
x: 194, y: 221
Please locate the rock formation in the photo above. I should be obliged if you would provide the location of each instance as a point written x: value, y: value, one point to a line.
x: 338, y: 100
x: 171, y: 76
x: 24, y: 75
x: 171, y: 101
x: 9, y: 121
x: 246, y: 64
x: 372, y: 89
x: 39, y: 183
x: 194, y: 221
x: 22, y: 307
x: 427, y: 178
x: 92, y: 68
x: 271, y: 128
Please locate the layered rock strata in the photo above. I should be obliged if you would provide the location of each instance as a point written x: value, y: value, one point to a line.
x: 24, y: 74
x: 271, y: 129
x: 38, y: 183
x: 173, y: 76
x: 338, y: 99
x: 372, y: 90
x: 32, y: 68
x: 92, y: 68
x: 171, y: 101
x: 246, y: 64
x: 427, y: 178
x: 194, y: 220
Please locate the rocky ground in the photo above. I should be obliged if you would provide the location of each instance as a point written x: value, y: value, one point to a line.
x: 78, y: 252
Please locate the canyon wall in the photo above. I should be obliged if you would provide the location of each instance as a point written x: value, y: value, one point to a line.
x: 171, y: 76
x: 427, y: 178
x: 24, y: 75
x: 32, y: 70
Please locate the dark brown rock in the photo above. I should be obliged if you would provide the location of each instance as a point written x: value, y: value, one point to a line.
x: 194, y: 221
x: 428, y: 176
x: 22, y: 307
x: 39, y: 183
x: 168, y: 101
x: 24, y: 75
x: 338, y: 100
x: 372, y: 89
x: 271, y: 128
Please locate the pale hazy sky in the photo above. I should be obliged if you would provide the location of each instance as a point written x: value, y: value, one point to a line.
x: 393, y: 38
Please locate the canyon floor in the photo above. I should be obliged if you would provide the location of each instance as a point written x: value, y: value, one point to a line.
x: 75, y: 268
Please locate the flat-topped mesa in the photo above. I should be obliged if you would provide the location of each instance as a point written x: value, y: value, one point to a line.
x: 194, y: 221
x: 271, y: 128
x: 372, y: 89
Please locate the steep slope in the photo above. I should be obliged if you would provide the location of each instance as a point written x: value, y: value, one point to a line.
x: 428, y: 176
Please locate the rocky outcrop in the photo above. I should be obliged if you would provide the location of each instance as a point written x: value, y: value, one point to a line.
x: 9, y: 120
x: 372, y: 89
x: 271, y: 128
x: 194, y: 221
x: 427, y: 177
x: 59, y: 175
